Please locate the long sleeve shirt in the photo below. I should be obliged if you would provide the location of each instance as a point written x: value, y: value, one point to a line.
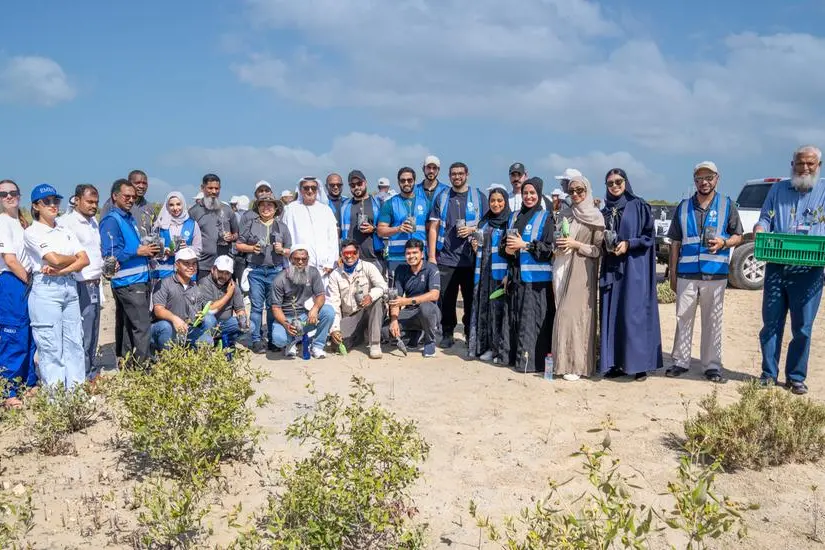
x: 112, y: 242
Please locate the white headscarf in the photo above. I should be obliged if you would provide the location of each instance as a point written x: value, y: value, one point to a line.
x: 321, y: 196
x: 585, y: 211
x: 166, y: 219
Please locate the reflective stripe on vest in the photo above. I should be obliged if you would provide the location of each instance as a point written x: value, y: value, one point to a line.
x: 346, y: 209
x: 694, y: 257
x: 397, y: 242
x: 533, y: 271
x: 136, y: 268
x: 498, y: 266
x: 166, y: 267
x: 471, y: 212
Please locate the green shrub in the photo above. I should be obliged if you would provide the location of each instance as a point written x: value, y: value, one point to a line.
x: 16, y: 518
x: 765, y: 427
x: 351, y: 491
x: 57, y: 413
x: 665, y: 294
x: 189, y: 411
x: 171, y: 515
x: 606, y: 516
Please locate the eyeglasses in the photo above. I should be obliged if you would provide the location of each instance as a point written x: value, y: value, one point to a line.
x: 405, y: 180
x: 309, y: 188
x: 615, y: 183
x: 50, y: 201
x: 335, y: 184
x: 128, y: 198
x: 299, y: 259
x: 9, y: 194
x: 704, y: 179
x: 578, y: 191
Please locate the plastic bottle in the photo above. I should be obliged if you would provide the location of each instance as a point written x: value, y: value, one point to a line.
x: 548, y: 366
x: 305, y: 347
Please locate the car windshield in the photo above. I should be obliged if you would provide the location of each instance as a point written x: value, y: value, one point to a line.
x: 752, y: 196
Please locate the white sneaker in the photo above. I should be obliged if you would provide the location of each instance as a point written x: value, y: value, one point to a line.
x: 375, y: 351
x: 318, y: 352
x: 571, y: 377
x: 487, y: 356
x: 291, y: 350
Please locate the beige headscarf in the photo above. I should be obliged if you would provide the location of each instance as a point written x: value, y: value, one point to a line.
x: 586, y: 212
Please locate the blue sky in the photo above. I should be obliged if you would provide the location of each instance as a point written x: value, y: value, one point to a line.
x: 276, y: 89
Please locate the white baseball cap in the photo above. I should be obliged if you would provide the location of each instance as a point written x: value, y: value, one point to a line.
x: 185, y: 254
x: 286, y: 193
x: 383, y: 182
x: 243, y: 202
x: 569, y: 174
x: 706, y: 164
x: 233, y: 199
x: 432, y: 159
x: 556, y: 193
x: 262, y: 183
x: 225, y: 263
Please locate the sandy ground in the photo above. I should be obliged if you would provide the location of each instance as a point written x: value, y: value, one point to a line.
x: 496, y: 437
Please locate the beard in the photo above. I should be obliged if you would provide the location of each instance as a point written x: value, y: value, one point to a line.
x: 212, y: 203
x: 804, y: 183
x: 297, y: 275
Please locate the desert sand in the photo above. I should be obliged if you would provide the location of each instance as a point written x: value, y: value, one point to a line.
x: 496, y: 437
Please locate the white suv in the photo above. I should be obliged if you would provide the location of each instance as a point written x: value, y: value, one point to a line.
x: 747, y: 272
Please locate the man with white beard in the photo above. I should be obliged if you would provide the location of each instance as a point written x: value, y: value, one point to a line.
x: 792, y: 206
x: 299, y: 305
x: 312, y: 223
x: 217, y: 222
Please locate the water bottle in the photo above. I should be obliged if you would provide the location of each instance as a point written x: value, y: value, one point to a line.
x: 305, y: 347
x: 548, y: 367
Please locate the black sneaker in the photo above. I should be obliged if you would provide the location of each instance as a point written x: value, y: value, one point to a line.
x: 675, y: 371
x: 614, y: 372
x: 259, y: 347
x: 798, y: 388
x: 713, y: 375
x: 640, y: 376
x: 446, y: 342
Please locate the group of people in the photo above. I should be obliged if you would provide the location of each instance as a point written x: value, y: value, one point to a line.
x: 547, y: 282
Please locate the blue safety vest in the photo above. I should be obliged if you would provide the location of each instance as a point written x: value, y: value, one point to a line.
x: 533, y: 271
x: 136, y: 269
x: 694, y: 257
x: 166, y: 267
x: 498, y: 265
x: 397, y: 242
x: 439, y: 188
x: 471, y: 213
x: 346, y: 209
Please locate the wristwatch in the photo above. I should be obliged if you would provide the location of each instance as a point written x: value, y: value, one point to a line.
x: 414, y: 302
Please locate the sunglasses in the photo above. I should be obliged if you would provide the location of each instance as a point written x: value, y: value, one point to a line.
x: 615, y: 183
x: 335, y: 184
x: 50, y: 201
x: 349, y: 253
x: 310, y: 188
x: 704, y: 179
x: 578, y: 191
x: 299, y: 259
x: 9, y: 194
x: 405, y: 180
x: 356, y: 183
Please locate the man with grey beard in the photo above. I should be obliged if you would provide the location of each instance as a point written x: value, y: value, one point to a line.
x: 217, y: 222
x: 795, y: 206
x: 299, y: 306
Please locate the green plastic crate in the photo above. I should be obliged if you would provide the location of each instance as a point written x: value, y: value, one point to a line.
x: 783, y: 248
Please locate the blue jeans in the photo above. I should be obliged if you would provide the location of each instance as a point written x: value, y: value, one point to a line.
x: 260, y: 285
x: 54, y: 309
x: 162, y: 333
x: 798, y: 290
x: 326, y: 316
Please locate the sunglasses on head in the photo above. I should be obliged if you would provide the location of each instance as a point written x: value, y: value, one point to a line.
x: 615, y: 183
x: 9, y: 194
x: 50, y: 201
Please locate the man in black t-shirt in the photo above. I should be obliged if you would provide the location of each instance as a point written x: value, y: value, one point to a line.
x: 418, y: 285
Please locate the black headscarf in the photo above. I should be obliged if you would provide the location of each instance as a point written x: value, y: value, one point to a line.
x: 526, y: 214
x: 611, y: 202
x: 498, y: 221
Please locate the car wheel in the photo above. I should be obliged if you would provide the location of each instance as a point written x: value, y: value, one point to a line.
x: 746, y: 272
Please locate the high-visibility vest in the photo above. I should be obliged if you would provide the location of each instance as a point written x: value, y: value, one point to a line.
x: 694, y: 257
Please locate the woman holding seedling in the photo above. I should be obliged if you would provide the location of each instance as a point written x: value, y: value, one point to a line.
x: 54, y: 305
x: 177, y: 230
x: 631, y: 338
x: 16, y: 342
x: 575, y: 283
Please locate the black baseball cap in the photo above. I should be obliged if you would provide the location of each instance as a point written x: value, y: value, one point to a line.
x: 356, y: 174
x: 517, y: 167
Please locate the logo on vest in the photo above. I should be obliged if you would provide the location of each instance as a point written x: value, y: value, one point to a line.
x: 186, y: 233
x: 528, y: 227
x: 712, y: 215
x: 420, y: 207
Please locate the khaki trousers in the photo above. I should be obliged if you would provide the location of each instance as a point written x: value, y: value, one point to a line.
x: 710, y: 297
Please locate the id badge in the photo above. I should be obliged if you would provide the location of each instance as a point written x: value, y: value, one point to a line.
x: 94, y: 294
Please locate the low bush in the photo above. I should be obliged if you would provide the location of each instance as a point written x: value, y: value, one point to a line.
x: 189, y: 410
x: 606, y: 516
x: 58, y: 412
x: 351, y: 491
x: 665, y: 294
x: 171, y: 515
x: 765, y: 427
x: 16, y: 517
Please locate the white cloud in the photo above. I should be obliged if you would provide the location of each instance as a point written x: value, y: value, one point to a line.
x: 241, y: 166
x: 160, y: 188
x: 564, y: 64
x: 34, y: 80
x: 595, y: 165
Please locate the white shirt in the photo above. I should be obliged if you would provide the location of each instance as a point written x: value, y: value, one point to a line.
x: 314, y: 227
x: 88, y: 235
x: 41, y: 239
x: 341, y: 289
x: 11, y: 242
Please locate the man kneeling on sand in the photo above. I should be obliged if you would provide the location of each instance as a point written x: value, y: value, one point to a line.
x: 355, y: 291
